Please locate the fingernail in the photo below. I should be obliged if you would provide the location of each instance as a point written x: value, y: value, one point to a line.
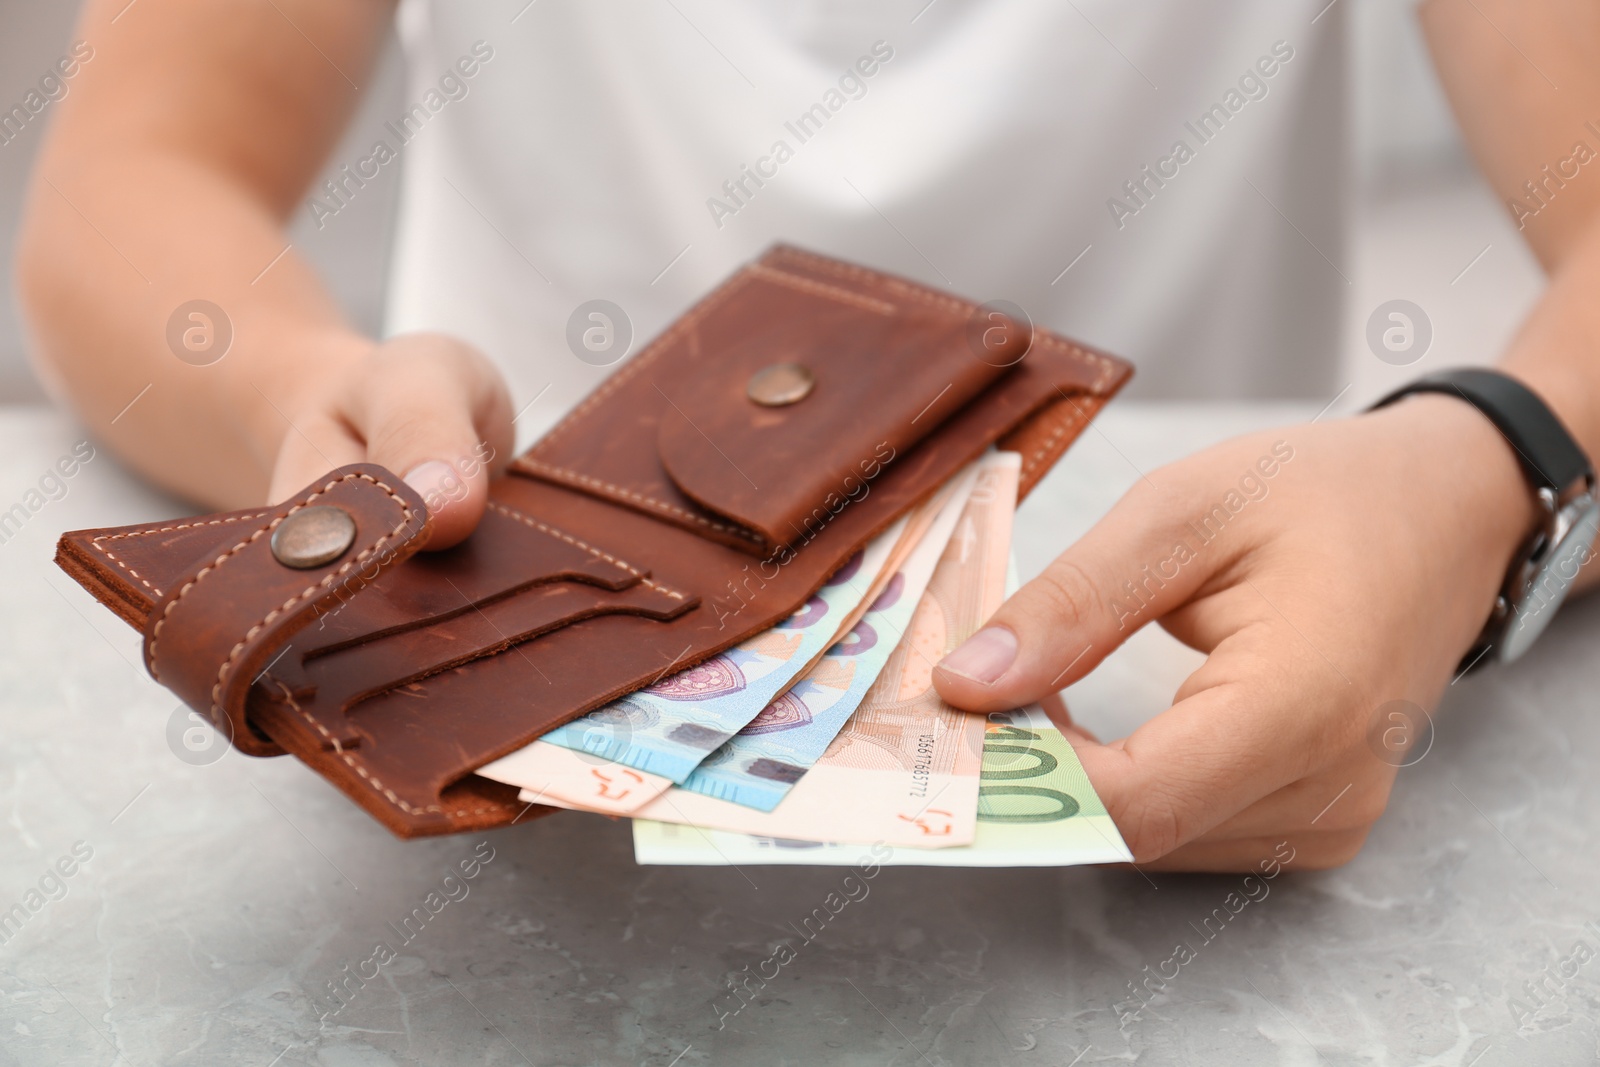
x: 436, y: 482
x: 984, y: 656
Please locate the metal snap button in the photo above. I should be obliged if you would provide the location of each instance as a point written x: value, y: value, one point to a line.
x: 313, y: 536
x: 781, y: 384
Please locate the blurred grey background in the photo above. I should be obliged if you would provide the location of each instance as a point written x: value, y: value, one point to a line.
x: 1427, y: 228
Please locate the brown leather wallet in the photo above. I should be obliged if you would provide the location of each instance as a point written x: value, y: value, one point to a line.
x: 669, y: 516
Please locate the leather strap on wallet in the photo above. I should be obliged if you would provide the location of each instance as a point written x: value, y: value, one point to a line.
x: 668, y: 517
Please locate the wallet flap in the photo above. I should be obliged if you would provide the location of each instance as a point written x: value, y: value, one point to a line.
x: 219, y: 626
x: 804, y: 406
x: 129, y: 568
x: 891, y: 363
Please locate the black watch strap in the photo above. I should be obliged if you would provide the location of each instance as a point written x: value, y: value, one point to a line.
x: 1550, y: 457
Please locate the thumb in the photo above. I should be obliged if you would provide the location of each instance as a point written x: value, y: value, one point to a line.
x: 436, y: 412
x: 1139, y: 562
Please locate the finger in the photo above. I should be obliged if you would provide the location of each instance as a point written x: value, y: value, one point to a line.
x: 437, y: 413
x: 1139, y: 562
x: 1055, y: 709
x: 1253, y: 721
x: 314, y: 445
x: 1345, y: 798
x: 1077, y: 735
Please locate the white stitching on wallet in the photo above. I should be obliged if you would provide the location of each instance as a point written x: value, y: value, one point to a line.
x: 832, y: 292
x: 513, y: 513
x: 648, y: 356
x: 638, y: 498
x: 934, y: 297
x: 102, y: 549
x: 1032, y: 462
x: 216, y: 711
x: 388, y: 794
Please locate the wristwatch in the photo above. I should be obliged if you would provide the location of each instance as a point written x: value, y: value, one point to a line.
x: 1563, y: 482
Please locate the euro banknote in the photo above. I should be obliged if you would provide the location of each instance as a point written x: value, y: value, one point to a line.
x: 760, y: 764
x: 904, y: 770
x: 566, y: 778
x: 563, y: 777
x: 667, y: 728
x: 1036, y: 808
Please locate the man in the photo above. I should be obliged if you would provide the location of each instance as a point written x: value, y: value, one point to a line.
x: 620, y: 135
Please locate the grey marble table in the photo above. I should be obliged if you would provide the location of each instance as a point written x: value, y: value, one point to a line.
x: 218, y: 901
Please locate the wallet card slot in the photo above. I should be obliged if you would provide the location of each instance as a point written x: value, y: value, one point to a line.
x: 342, y: 678
x: 511, y: 553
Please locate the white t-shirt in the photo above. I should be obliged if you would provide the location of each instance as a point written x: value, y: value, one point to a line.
x: 1162, y: 179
